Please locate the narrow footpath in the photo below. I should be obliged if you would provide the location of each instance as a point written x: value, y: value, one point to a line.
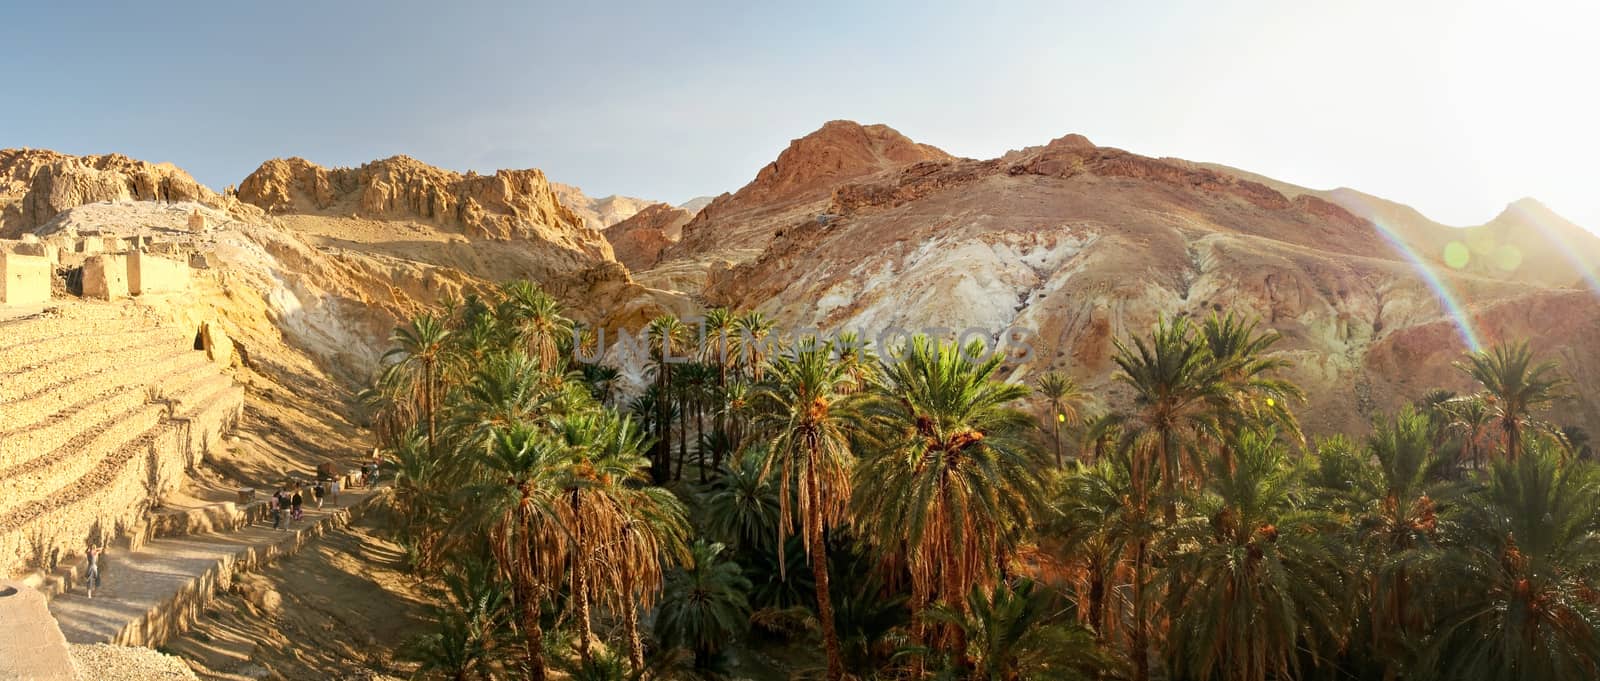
x: 151, y: 593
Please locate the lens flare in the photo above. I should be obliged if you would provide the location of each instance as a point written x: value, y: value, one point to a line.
x: 1564, y: 246
x: 1453, y: 308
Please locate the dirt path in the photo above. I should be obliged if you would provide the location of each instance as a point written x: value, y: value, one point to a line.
x: 339, y: 609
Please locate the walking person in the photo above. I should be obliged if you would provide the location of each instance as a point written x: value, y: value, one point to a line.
x: 316, y: 493
x: 91, y: 577
x: 333, y: 491
x: 283, y: 505
x: 295, y: 503
x: 276, y: 508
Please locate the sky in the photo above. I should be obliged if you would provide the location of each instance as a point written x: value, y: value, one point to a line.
x: 1456, y: 108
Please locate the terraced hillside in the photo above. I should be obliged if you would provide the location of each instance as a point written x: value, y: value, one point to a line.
x: 103, y: 408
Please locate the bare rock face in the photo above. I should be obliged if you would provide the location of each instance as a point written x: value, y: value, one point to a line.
x: 598, y: 214
x: 797, y: 186
x: 1079, y: 245
x: 38, y: 184
x: 639, y: 240
x: 510, y: 204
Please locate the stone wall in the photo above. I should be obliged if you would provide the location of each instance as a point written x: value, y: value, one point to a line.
x: 150, y: 274
x: 105, y: 277
x: 24, y: 279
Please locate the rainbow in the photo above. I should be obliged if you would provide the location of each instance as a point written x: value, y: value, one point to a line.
x: 1447, y: 297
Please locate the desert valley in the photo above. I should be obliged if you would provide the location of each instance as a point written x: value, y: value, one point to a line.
x: 171, y: 354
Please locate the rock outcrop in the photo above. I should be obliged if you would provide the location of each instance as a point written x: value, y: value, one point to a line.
x: 639, y: 240
x: 37, y: 184
x: 797, y: 185
x: 510, y: 204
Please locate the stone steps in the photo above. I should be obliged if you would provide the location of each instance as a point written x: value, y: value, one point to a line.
x: 63, y: 321
x: 123, y: 468
x: 31, y: 342
x: 125, y: 420
x: 35, y: 402
x: 53, y: 430
x: 153, y: 593
x: 25, y: 380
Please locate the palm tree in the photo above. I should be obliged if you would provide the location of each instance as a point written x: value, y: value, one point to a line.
x: 1256, y: 581
x: 1522, y: 601
x: 667, y: 337
x: 471, y: 639
x: 741, y: 506
x: 538, y: 322
x: 1065, y: 399
x: 809, y: 420
x: 720, y: 324
x: 1390, y: 491
x: 1240, y: 354
x: 753, y: 333
x: 1177, y: 392
x: 520, y: 505
x: 703, y: 604
x: 1095, y: 519
x: 1018, y: 632
x: 1471, y: 417
x: 1517, y: 387
x: 419, y: 347
x: 653, y: 538
x: 600, y: 454
x: 951, y: 479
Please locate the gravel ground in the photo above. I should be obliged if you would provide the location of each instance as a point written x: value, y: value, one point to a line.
x: 98, y: 661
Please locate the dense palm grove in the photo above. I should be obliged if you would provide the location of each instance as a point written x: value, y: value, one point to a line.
x: 917, y: 516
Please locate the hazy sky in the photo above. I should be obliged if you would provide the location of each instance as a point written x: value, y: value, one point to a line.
x: 1454, y: 107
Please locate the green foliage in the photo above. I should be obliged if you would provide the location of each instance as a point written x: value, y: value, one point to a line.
x: 1195, y: 537
x: 703, y: 605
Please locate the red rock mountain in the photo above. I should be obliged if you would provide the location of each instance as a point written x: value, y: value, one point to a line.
x: 639, y: 240
x: 803, y: 175
x: 1081, y: 245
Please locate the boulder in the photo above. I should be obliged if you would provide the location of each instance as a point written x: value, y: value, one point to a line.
x: 218, y: 347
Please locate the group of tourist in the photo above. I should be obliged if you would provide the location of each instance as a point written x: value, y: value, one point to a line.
x: 290, y: 503
x: 286, y: 506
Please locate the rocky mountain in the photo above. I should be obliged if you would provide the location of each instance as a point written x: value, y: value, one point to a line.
x: 737, y: 226
x: 508, y: 204
x: 695, y: 204
x: 37, y: 184
x: 1074, y: 245
x: 1526, y: 242
x: 598, y: 214
x: 639, y: 240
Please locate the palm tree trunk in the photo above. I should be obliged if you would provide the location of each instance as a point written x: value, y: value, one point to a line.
x: 919, y: 632
x: 1097, y: 600
x: 630, y: 620
x: 819, y: 572
x: 663, y: 447
x: 683, y: 436
x: 1169, y: 473
x: 580, y: 580
x: 700, y: 446
x: 427, y: 398
x: 528, y: 605
x: 1512, y: 437
x: 1055, y: 437
x: 1141, y: 626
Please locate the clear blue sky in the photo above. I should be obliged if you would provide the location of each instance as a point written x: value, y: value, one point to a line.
x: 1455, y: 107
